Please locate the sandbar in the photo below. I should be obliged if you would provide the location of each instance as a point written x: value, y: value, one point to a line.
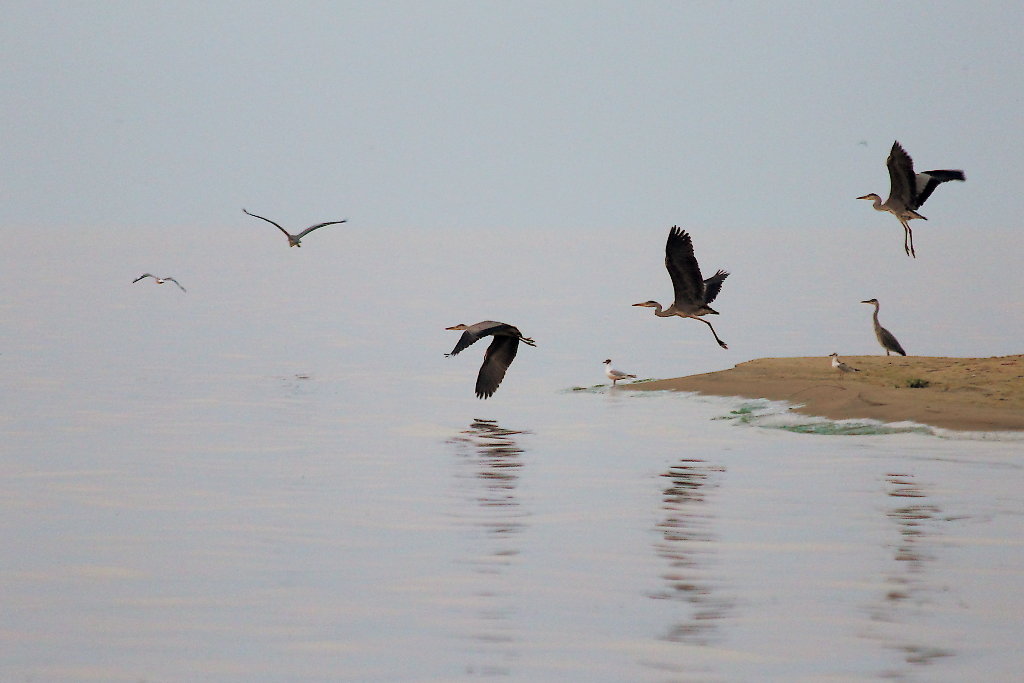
x: 967, y: 394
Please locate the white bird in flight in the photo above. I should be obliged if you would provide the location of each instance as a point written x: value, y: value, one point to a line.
x: 294, y: 240
x: 613, y: 374
x: 159, y: 280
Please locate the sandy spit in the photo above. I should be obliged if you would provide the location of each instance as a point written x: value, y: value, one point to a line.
x: 974, y: 394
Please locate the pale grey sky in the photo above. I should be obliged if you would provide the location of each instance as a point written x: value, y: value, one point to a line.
x: 418, y: 115
x: 470, y: 144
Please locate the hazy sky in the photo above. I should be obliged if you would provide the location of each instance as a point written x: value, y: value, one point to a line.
x: 559, y: 114
x: 471, y: 143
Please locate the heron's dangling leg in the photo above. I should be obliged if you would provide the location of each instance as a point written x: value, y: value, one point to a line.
x: 908, y: 238
x: 720, y: 342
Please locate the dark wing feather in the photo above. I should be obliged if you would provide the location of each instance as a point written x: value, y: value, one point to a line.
x: 468, y: 338
x: 497, y: 358
x: 287, y: 234
x: 889, y: 341
x: 682, y: 267
x: 902, y: 183
x: 929, y: 180
x: 314, y: 227
x: 713, y: 285
x: 171, y: 279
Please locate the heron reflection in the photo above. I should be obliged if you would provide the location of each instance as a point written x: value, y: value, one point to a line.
x: 487, y: 474
x: 907, y: 588
x: 687, y: 544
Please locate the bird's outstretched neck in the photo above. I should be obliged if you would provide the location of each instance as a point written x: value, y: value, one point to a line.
x: 658, y: 310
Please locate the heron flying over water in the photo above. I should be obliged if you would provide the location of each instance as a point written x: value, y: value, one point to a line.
x: 692, y: 293
x: 159, y: 280
x: 294, y: 240
x: 885, y: 337
x: 908, y: 191
x: 498, y: 356
x: 613, y: 374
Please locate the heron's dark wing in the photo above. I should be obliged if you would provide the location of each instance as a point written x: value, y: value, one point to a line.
x: 889, y: 341
x: 902, y: 183
x: 713, y: 285
x: 269, y: 221
x: 143, y: 276
x: 927, y: 181
x: 468, y: 338
x: 171, y: 279
x: 497, y: 358
x: 682, y: 267
x: 477, y: 331
x: 314, y: 227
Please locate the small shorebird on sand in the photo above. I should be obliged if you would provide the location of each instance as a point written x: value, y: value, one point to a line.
x: 613, y: 374
x: 842, y: 367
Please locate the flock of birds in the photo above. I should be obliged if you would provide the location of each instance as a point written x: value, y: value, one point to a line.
x: 693, y: 294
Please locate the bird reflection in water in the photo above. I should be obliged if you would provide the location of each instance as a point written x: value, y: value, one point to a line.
x: 907, y: 586
x: 487, y: 475
x: 687, y: 543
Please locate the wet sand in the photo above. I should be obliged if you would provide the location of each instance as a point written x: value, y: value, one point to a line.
x: 974, y: 394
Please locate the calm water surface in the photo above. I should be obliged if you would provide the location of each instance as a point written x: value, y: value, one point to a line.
x: 259, y: 482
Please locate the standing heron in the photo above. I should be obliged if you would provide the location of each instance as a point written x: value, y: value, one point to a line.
x: 613, y: 374
x: 692, y: 294
x: 293, y: 240
x: 884, y: 336
x: 159, y: 280
x: 908, y: 191
x: 498, y: 356
x: 842, y: 367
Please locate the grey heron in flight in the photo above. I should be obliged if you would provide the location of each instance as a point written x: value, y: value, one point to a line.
x: 159, y: 280
x: 613, y: 374
x: 908, y: 191
x: 884, y: 336
x: 692, y: 293
x: 842, y: 367
x: 498, y: 356
x: 294, y: 240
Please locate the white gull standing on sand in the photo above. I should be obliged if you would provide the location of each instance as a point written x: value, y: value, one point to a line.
x: 839, y: 365
x: 613, y: 374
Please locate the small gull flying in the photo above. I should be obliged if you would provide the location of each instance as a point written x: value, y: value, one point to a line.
x: 294, y: 240
x: 159, y: 280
